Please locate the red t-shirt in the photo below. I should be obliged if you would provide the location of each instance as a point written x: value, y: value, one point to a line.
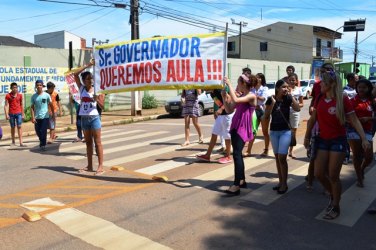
x: 363, y: 108
x: 15, y: 103
x: 329, y: 125
x: 316, y: 90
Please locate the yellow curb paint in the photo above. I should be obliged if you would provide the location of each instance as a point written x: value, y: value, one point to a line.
x: 31, y: 216
x: 77, y: 196
x: 8, y: 205
x: 117, y: 168
x: 161, y: 178
x: 6, y: 222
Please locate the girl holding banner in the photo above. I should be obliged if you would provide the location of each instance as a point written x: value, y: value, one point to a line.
x: 90, y: 120
x: 241, y: 126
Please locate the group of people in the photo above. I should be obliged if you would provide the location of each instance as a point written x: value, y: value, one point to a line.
x: 45, y: 107
x: 340, y: 119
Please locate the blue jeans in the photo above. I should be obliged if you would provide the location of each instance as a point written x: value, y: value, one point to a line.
x: 15, y: 119
x: 237, y: 147
x: 41, y: 126
x: 280, y: 141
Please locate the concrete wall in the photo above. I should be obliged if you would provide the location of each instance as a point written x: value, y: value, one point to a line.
x: 287, y: 42
x: 58, y: 40
x: 272, y: 70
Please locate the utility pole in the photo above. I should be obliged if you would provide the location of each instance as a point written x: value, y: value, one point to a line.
x: 241, y: 24
x: 355, y: 52
x: 135, y: 34
x: 355, y: 25
x: 70, y: 62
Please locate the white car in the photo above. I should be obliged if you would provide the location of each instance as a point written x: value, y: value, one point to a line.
x: 306, y: 86
x: 271, y: 88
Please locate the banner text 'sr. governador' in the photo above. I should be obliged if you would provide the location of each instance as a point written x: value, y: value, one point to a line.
x: 153, y: 50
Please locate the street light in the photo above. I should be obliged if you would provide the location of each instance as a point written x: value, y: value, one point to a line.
x: 366, y: 38
x: 331, y: 52
x: 100, y: 42
x: 241, y: 24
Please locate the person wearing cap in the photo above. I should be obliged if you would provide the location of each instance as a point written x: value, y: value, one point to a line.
x: 40, y: 103
x: 56, y: 111
x: 90, y: 119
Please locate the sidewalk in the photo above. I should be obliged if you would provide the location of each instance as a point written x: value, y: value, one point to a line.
x: 108, y: 119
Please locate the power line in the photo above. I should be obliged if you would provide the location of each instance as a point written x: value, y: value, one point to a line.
x: 40, y: 15
x: 273, y: 6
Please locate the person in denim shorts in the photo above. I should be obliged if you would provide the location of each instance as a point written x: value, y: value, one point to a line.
x: 363, y: 105
x: 90, y: 119
x: 278, y: 108
x: 13, y: 104
x: 331, y: 110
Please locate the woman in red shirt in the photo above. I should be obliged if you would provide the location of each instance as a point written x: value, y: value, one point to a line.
x: 362, y: 104
x: 331, y: 110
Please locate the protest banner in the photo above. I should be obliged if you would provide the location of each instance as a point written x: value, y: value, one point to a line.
x: 72, y: 86
x: 179, y: 62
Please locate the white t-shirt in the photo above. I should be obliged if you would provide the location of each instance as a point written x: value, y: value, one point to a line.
x: 296, y: 93
x: 88, y: 104
x: 350, y: 92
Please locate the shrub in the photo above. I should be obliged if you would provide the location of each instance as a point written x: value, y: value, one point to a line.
x: 149, y: 102
x: 27, y: 112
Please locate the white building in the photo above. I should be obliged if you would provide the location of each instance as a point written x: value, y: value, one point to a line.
x: 286, y: 42
x: 59, y: 40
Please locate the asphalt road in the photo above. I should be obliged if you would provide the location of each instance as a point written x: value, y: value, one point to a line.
x: 128, y: 210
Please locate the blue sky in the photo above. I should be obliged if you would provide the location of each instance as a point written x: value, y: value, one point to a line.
x: 25, y: 18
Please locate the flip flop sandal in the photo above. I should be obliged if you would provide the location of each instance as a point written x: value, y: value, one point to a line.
x: 84, y: 170
x: 99, y: 173
x: 185, y: 144
x: 331, y: 215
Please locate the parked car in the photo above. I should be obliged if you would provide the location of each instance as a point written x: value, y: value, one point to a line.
x: 372, y: 79
x: 271, y: 88
x: 205, y: 102
x: 306, y: 86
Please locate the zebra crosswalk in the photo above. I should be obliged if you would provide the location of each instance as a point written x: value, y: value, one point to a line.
x: 161, y: 143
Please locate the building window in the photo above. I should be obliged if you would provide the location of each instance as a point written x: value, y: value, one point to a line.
x: 264, y: 46
x: 329, y: 44
x: 318, y: 47
x: 231, y: 46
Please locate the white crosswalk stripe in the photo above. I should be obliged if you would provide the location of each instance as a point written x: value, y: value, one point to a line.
x: 107, y: 151
x: 112, y: 141
x: 354, y: 201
